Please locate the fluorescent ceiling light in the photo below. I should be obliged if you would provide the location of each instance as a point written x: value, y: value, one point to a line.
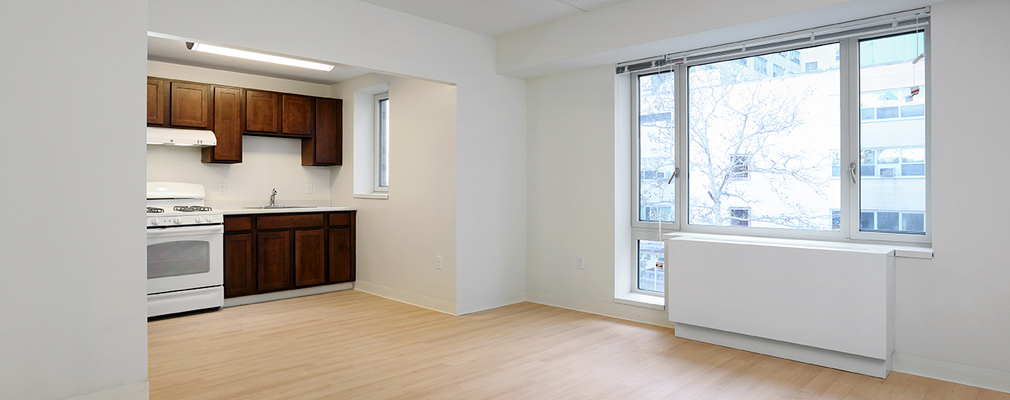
x: 249, y: 55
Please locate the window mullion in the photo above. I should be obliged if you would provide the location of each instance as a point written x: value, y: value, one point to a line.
x: 849, y: 53
x: 636, y: 161
x: 682, y: 148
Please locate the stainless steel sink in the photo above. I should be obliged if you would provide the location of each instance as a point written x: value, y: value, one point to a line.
x: 277, y: 207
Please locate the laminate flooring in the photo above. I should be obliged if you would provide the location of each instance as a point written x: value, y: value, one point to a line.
x: 353, y: 345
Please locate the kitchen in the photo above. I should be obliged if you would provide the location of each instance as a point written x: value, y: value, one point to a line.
x: 274, y: 168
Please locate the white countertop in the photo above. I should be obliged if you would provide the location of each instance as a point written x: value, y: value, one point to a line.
x: 247, y: 211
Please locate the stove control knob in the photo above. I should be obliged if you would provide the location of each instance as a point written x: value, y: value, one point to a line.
x: 153, y: 221
x: 199, y: 219
x: 178, y: 220
x: 210, y: 218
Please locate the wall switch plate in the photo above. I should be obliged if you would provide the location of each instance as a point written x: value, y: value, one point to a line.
x: 222, y: 188
x: 308, y: 188
x: 438, y: 262
x: 580, y: 260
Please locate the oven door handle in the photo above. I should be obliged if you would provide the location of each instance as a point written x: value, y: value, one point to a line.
x: 185, y: 230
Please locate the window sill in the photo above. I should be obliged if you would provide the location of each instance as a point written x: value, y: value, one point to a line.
x: 373, y: 196
x: 899, y: 250
x: 641, y: 300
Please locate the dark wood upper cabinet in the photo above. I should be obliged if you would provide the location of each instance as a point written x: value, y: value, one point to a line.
x: 156, y: 101
x: 190, y: 105
x: 227, y: 127
x: 261, y: 111
x: 297, y: 115
x: 232, y: 112
x: 325, y: 147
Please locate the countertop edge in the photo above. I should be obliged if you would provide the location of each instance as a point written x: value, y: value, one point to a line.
x: 257, y: 211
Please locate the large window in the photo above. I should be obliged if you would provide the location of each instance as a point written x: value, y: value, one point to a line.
x: 760, y: 143
x: 826, y: 139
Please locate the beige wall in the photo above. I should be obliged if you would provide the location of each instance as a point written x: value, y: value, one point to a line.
x: 399, y: 237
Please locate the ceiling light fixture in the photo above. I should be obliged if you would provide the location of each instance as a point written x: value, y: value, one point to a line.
x: 249, y: 55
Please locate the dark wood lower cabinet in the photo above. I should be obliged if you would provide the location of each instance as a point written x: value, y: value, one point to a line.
x: 273, y: 261
x: 268, y: 253
x: 238, y: 265
x: 310, y: 257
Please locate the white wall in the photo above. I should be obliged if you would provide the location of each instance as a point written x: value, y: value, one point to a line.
x: 398, y: 237
x: 267, y: 162
x: 490, y: 186
x: 955, y: 309
x: 952, y: 314
x: 72, y: 291
x: 572, y: 194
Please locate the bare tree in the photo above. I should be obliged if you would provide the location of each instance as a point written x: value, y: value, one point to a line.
x: 732, y: 132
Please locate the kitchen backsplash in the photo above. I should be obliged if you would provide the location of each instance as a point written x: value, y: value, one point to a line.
x: 267, y: 163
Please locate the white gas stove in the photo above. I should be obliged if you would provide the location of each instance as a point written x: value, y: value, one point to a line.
x: 185, y: 250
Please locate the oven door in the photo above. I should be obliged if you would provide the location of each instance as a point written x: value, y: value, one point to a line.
x: 185, y: 257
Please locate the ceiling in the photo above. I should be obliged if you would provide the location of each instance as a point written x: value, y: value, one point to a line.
x: 494, y: 17
x: 489, y: 17
x: 173, y: 50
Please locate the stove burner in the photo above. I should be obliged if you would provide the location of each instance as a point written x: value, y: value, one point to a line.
x: 192, y: 208
x: 155, y: 210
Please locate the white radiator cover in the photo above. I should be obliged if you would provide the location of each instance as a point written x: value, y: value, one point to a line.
x: 825, y: 306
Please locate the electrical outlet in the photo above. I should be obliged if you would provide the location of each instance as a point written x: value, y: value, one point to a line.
x: 222, y: 188
x: 308, y: 188
x: 438, y: 262
x: 580, y: 260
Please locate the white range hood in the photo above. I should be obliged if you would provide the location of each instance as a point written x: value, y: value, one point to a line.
x: 180, y: 137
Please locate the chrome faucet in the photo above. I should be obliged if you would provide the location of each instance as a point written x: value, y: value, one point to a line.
x: 273, y: 198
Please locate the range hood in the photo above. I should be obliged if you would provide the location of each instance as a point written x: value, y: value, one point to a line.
x: 180, y: 137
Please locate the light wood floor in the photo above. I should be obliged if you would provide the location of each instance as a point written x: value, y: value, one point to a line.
x: 352, y: 345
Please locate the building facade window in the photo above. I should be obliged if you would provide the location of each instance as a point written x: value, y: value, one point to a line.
x: 774, y: 155
x: 739, y: 216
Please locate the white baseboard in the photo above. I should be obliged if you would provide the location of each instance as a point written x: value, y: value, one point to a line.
x: 286, y: 294
x: 409, y: 298
x: 610, y: 309
x: 790, y: 351
x: 487, y: 303
x: 136, y: 391
x: 957, y: 373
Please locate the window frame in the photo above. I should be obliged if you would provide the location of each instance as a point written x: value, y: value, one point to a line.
x: 378, y: 154
x: 636, y: 248
x: 849, y: 150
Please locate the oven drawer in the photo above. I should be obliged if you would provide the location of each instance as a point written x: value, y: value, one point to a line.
x: 289, y: 221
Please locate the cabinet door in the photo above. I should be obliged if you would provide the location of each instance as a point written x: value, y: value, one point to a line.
x: 296, y: 115
x: 155, y: 101
x: 190, y: 105
x: 261, y: 111
x: 273, y: 261
x: 227, y: 127
x: 238, y: 265
x: 310, y: 260
x: 341, y: 255
x: 325, y: 147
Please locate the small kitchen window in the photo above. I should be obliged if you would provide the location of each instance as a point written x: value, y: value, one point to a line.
x: 382, y: 142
